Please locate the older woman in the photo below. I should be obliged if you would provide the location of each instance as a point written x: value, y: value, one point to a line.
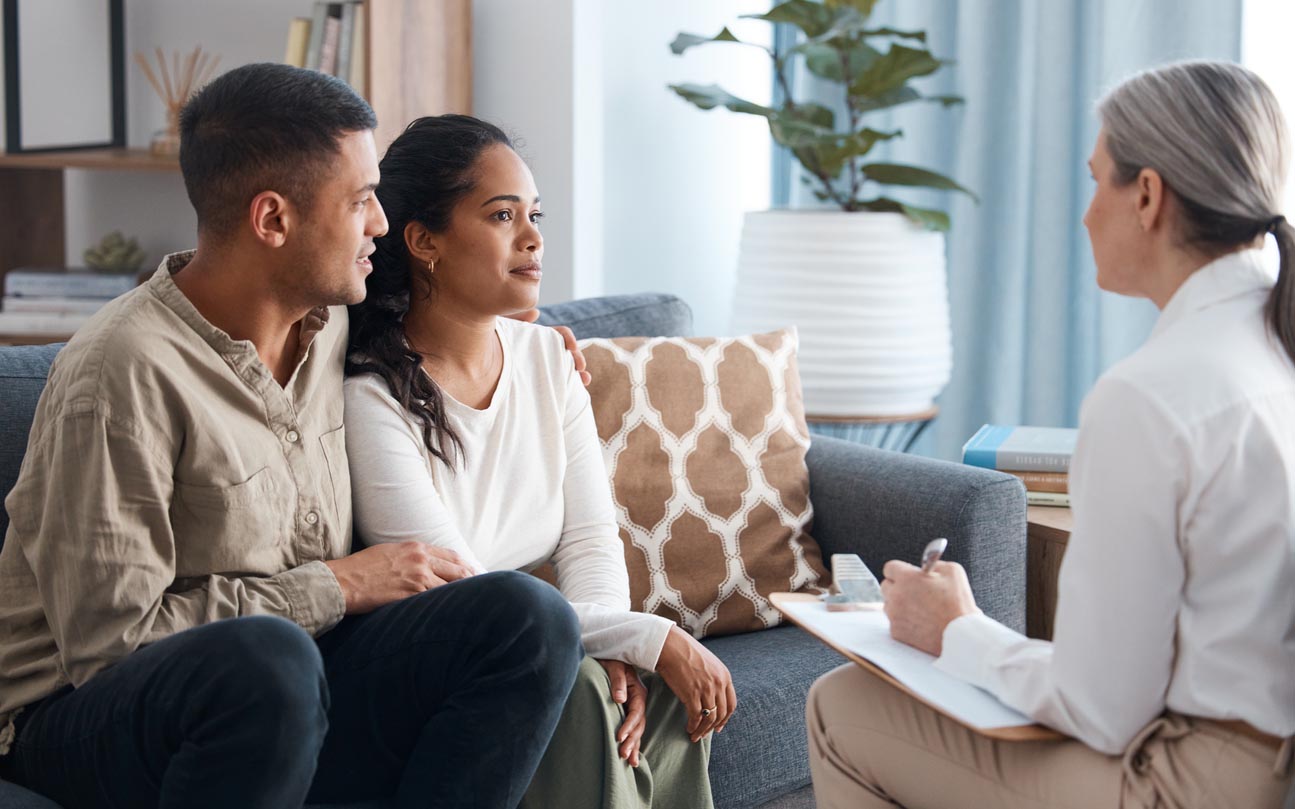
x: 472, y: 431
x: 1173, y: 659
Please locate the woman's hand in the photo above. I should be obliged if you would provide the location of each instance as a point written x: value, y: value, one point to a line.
x: 628, y: 690
x: 920, y: 605
x: 700, y: 681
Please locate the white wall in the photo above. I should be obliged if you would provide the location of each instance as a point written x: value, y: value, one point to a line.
x: 677, y: 179
x: 152, y: 206
x: 642, y: 191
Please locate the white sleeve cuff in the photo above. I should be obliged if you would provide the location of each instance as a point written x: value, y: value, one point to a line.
x: 972, y: 644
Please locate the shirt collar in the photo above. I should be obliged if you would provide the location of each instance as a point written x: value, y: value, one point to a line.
x: 1227, y: 277
x: 162, y: 285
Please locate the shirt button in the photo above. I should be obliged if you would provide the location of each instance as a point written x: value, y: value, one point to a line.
x: 292, y: 436
x: 312, y: 517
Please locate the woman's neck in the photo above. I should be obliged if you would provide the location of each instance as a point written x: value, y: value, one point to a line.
x: 460, y: 351
x: 1177, y: 265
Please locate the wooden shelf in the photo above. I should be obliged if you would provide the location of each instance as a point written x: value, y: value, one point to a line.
x: 101, y: 159
x: 420, y: 63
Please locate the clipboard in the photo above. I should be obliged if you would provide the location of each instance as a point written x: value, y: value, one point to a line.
x: 1016, y: 733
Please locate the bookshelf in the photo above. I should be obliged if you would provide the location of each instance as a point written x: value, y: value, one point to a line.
x: 419, y: 63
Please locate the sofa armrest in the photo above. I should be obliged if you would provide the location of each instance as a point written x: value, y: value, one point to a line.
x: 886, y: 505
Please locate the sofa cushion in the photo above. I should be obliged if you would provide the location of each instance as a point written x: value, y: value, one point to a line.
x: 705, y: 443
x: 649, y: 314
x: 22, y: 377
x: 763, y: 753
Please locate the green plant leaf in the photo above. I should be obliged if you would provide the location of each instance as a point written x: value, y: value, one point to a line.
x: 823, y: 57
x: 794, y: 133
x: 685, y: 41
x: 835, y: 156
x: 928, y: 218
x: 710, y: 96
x: 820, y: 150
x: 920, y: 36
x: 945, y: 101
x: 811, y: 113
x: 864, y: 7
x: 810, y: 17
x: 898, y: 174
x: 892, y: 69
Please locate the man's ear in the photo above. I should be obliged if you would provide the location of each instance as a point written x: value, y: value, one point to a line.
x: 1151, y: 199
x: 271, y: 217
x: 421, y: 244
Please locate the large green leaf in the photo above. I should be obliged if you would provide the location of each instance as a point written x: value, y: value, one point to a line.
x: 920, y: 36
x: 810, y: 17
x: 823, y: 58
x: 788, y: 131
x: 892, y: 69
x: 710, y: 96
x: 811, y: 113
x: 685, y: 40
x: 864, y: 7
x: 898, y: 174
x: 820, y: 150
x: 836, y: 154
x: 929, y: 218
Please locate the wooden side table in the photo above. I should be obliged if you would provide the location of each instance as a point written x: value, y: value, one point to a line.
x: 1047, y: 531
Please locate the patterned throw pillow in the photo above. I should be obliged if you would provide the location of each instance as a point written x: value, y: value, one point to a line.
x: 705, y: 441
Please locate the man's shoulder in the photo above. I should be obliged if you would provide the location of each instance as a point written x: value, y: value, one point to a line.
x: 131, y: 339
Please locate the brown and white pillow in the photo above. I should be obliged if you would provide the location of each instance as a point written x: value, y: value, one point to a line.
x: 705, y: 441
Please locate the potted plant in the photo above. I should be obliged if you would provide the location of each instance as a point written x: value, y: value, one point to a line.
x: 865, y: 284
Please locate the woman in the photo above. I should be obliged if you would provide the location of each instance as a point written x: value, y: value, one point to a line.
x: 1173, y: 660
x: 473, y: 431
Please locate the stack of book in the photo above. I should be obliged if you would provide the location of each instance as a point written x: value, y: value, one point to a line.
x: 333, y: 41
x: 1039, y: 456
x: 56, y: 302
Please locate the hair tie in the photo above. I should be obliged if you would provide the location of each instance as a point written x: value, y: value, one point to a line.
x: 1274, y: 223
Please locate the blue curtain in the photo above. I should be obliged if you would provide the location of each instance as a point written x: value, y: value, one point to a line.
x: 1031, y: 331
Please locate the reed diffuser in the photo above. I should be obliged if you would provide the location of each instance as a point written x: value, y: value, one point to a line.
x: 178, y: 81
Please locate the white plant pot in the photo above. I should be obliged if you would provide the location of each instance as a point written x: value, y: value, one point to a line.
x: 868, y: 294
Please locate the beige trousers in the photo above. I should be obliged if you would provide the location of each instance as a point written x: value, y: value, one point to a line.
x: 873, y: 746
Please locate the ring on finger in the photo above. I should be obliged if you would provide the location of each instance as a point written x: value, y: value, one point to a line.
x: 705, y: 712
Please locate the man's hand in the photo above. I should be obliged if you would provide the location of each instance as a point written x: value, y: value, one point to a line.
x: 699, y: 680
x: 389, y: 572
x: 569, y: 338
x: 920, y: 605
x: 628, y: 690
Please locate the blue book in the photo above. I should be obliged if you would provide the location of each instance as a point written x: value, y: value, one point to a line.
x: 1021, y: 449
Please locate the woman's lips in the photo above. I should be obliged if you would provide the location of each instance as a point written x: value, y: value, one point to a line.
x: 531, y: 271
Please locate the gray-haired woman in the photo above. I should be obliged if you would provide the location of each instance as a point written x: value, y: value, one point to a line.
x: 1172, y: 665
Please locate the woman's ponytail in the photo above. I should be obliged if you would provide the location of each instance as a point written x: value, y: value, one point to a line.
x: 1280, y: 310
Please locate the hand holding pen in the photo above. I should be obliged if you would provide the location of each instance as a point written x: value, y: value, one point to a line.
x: 922, y: 601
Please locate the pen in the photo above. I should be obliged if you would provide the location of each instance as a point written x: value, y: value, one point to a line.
x: 931, y: 555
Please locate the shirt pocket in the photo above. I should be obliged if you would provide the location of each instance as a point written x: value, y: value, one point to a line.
x: 233, y: 526
x: 339, y: 472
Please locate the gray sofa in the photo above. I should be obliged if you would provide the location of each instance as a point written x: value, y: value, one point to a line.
x: 878, y: 504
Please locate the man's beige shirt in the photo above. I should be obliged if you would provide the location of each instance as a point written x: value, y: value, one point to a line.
x: 169, y: 482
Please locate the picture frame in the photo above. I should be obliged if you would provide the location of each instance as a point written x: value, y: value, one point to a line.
x: 77, y: 46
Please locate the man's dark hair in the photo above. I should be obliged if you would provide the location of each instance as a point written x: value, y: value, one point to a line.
x: 263, y: 127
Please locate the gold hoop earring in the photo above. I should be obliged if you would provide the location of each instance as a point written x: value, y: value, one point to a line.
x: 431, y: 266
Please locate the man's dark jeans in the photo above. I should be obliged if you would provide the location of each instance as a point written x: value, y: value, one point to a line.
x: 445, y: 699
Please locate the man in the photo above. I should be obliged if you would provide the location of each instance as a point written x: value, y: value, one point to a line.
x: 180, y: 528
